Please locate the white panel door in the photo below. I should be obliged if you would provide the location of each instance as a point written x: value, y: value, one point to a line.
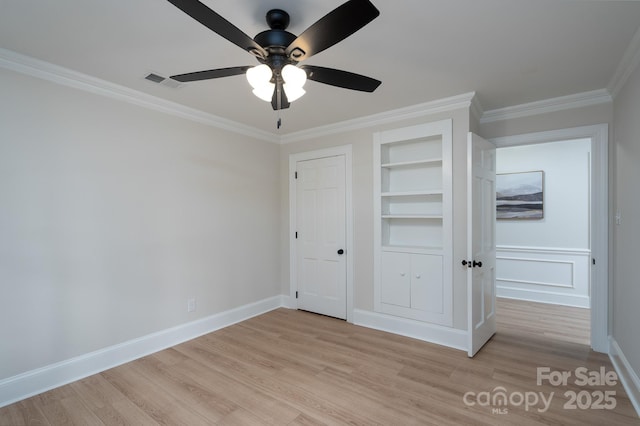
x: 321, y: 237
x: 481, y: 252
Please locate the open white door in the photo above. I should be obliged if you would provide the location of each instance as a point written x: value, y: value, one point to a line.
x: 481, y: 251
x: 321, y: 236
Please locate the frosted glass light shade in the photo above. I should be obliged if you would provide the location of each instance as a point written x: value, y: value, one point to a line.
x: 265, y: 92
x: 259, y: 76
x: 294, y: 76
x: 293, y: 92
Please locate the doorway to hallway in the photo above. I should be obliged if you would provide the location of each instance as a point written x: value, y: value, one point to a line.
x: 561, y: 259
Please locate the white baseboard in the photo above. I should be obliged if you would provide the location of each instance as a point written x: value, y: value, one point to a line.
x: 431, y: 333
x: 627, y: 375
x: 542, y: 297
x: 33, y: 382
x: 289, y: 302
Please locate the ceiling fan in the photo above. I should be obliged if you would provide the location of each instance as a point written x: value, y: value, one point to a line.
x: 278, y: 78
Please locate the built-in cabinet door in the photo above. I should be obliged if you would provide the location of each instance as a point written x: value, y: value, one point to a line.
x: 427, y: 284
x: 396, y: 279
x: 413, y: 281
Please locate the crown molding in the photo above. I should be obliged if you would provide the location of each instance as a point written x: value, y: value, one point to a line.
x: 441, y: 105
x: 627, y: 65
x: 476, y: 109
x: 44, y: 70
x: 561, y: 103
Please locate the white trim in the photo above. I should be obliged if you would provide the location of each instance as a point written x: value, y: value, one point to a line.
x: 574, y: 292
x: 599, y: 233
x: 420, y: 110
x: 597, y: 131
x: 289, y: 302
x: 542, y: 297
x: 627, y: 65
x: 626, y: 374
x: 476, y: 109
x: 432, y: 333
x: 543, y: 250
x: 40, y: 380
x: 571, y: 265
x: 345, y: 150
x: 577, y: 100
x: 66, y: 77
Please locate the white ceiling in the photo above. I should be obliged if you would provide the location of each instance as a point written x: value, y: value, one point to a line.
x: 509, y: 52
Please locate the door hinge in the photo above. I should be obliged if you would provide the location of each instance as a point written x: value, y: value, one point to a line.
x: 295, y: 175
x: 296, y: 294
x: 593, y: 260
x: 296, y: 235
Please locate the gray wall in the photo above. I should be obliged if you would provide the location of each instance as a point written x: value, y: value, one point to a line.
x: 112, y: 216
x: 626, y: 236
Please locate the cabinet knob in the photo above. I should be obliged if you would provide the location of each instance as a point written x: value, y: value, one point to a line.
x: 418, y: 276
x: 402, y: 274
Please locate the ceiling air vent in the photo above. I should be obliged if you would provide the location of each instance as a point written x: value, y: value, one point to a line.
x: 164, y: 81
x: 155, y: 78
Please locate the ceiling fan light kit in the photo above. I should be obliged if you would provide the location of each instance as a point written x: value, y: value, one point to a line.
x: 259, y: 75
x: 294, y: 80
x: 278, y: 79
x: 265, y: 92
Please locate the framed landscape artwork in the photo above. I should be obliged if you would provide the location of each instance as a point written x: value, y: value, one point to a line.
x: 520, y: 195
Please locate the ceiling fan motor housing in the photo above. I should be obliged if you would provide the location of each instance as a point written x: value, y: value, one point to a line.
x: 275, y: 40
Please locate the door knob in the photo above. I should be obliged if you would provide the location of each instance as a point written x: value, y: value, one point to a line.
x: 471, y: 264
x: 340, y: 252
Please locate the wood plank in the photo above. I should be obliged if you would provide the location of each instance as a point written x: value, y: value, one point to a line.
x: 291, y: 367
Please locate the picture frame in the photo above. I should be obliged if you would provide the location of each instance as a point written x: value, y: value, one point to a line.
x: 520, y: 195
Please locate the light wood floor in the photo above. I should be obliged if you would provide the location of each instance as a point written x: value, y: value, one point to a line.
x: 544, y: 321
x: 296, y: 368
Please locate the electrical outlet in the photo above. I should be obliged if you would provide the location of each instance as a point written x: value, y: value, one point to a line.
x: 191, y: 305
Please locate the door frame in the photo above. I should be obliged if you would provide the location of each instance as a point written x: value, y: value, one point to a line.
x: 599, y: 223
x: 346, y: 151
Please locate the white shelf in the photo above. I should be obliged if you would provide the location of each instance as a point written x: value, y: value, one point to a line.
x: 411, y: 193
x: 413, y: 249
x: 412, y: 163
x: 412, y: 216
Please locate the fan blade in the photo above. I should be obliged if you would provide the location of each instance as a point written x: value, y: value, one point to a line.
x: 219, y: 25
x: 332, y: 28
x: 209, y: 74
x: 279, y: 100
x: 339, y: 78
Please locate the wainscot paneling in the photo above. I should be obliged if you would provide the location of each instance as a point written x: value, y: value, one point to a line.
x: 547, y: 275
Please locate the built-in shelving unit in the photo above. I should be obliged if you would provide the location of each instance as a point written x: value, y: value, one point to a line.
x: 413, y: 216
